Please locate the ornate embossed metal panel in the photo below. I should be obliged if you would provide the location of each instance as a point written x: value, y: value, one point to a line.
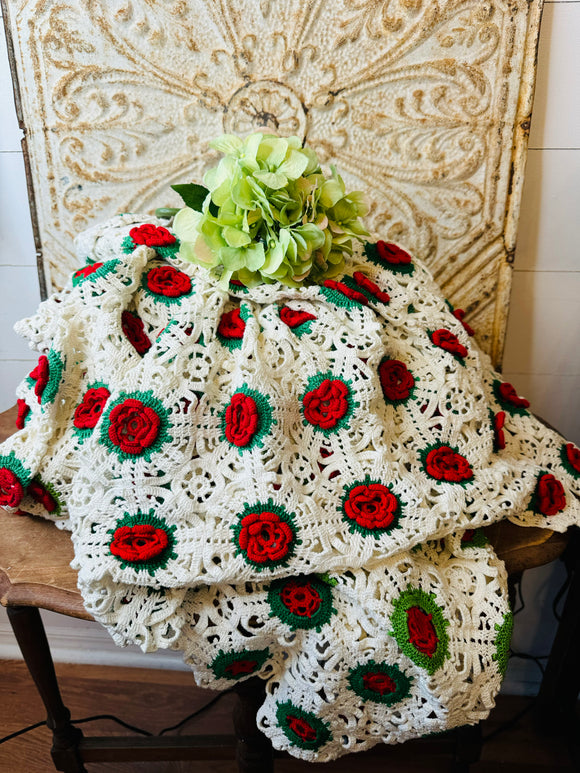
x: 425, y: 104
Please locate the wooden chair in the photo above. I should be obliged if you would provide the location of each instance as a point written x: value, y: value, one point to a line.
x: 35, y: 574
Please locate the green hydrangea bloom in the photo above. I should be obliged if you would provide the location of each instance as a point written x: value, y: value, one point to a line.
x: 270, y: 215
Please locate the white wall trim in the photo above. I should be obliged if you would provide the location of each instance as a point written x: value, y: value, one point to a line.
x: 76, y: 641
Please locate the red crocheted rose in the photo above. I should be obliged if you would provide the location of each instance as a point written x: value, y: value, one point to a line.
x: 241, y: 419
x: 422, y: 633
x: 550, y: 496
x: 468, y: 535
x: 231, y: 324
x: 168, y: 281
x: 40, y: 374
x: 133, y: 426
x: 364, y: 282
x: 134, y: 329
x: 340, y: 287
x: 138, y: 543
x: 11, y: 491
x: 573, y: 456
x: 300, y: 598
x: 508, y: 394
x: 396, y: 380
x: 379, y: 683
x: 301, y: 728
x: 459, y: 314
x: 443, y: 463
x: 326, y: 405
x: 371, y: 505
x: 23, y: 410
x: 293, y: 318
x: 152, y: 235
x: 448, y: 341
x: 498, y: 424
x: 391, y: 253
x: 265, y: 537
x: 89, y: 411
x: 43, y: 496
x: 238, y: 667
x: 87, y: 270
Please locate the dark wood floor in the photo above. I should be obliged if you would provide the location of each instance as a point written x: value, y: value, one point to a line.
x: 154, y: 699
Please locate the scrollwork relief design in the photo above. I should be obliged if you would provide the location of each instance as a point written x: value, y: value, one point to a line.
x: 407, y: 97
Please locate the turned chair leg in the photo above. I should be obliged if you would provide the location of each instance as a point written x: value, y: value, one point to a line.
x: 254, y: 753
x: 468, y: 743
x: 31, y: 637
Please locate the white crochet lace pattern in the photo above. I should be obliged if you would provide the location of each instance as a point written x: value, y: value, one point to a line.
x: 286, y: 483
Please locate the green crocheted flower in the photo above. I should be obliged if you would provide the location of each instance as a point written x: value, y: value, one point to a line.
x: 166, y: 284
x: 135, y: 426
x: 302, y: 603
x: 94, y: 270
x: 302, y: 728
x: 380, y: 683
x: 502, y: 642
x: 157, y: 237
x: 46, y: 377
x: 246, y: 419
x: 14, y: 477
x: 265, y: 535
x: 570, y: 458
x: 90, y: 409
x: 389, y: 256
x: 143, y: 542
x: 506, y: 395
x: 327, y: 403
x: 371, y: 508
x: 46, y: 495
x: 240, y: 664
x: 270, y: 214
x: 232, y: 326
x: 419, y: 628
x: 445, y: 464
x: 474, y: 538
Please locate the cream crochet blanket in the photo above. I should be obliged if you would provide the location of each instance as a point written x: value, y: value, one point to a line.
x: 286, y: 483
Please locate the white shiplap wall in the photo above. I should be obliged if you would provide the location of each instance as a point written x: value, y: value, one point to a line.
x: 542, y: 354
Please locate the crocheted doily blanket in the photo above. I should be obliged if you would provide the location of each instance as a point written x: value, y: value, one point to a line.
x: 286, y: 483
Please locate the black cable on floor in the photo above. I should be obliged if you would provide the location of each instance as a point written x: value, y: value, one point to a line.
x: 113, y: 718
x: 121, y: 722
x: 22, y: 731
x: 194, y: 714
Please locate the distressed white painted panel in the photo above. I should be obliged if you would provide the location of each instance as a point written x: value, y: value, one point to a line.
x: 556, y: 117
x: 16, y: 241
x: 544, y: 324
x: 549, y: 229
x: 21, y: 299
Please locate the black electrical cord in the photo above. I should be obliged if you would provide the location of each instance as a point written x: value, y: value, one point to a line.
x: 121, y: 722
x: 195, y: 714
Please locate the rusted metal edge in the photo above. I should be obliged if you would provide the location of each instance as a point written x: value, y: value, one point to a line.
x: 515, y: 185
x: 27, y: 165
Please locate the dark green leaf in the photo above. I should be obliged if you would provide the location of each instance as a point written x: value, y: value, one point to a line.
x: 193, y: 195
